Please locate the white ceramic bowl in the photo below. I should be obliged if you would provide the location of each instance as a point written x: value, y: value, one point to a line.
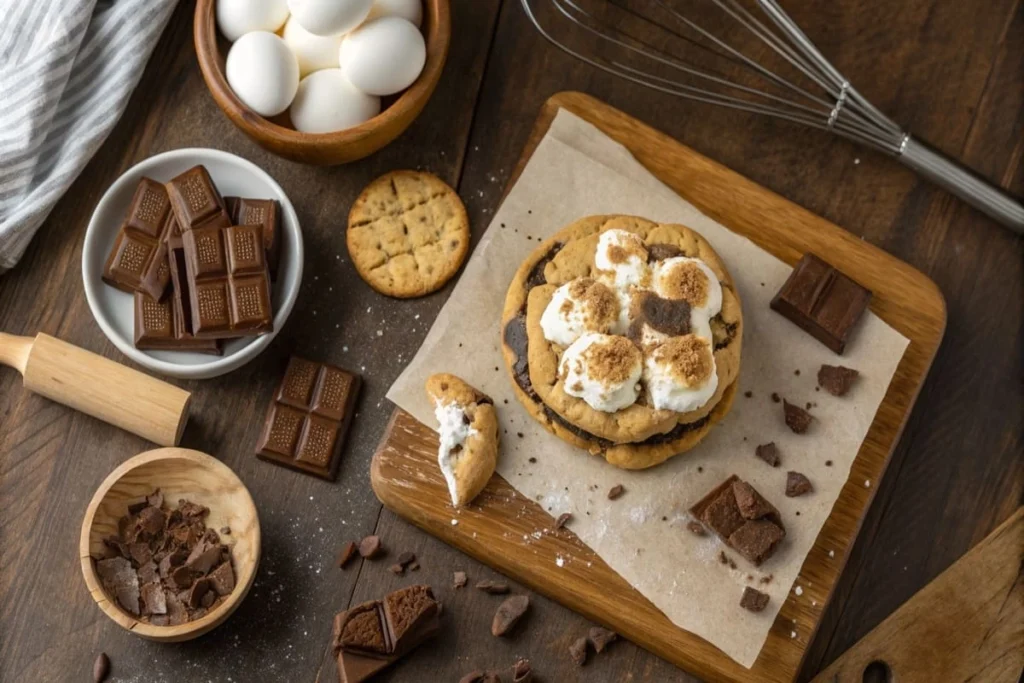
x: 114, y: 309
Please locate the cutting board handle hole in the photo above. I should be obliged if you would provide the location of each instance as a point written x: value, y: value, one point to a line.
x: 877, y: 672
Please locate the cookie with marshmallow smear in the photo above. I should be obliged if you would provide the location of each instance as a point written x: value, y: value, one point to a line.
x: 623, y: 337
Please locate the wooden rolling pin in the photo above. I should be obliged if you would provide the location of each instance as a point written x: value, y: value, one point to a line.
x: 99, y: 387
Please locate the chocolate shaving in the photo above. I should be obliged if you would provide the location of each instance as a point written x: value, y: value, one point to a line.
x: 578, y: 651
x: 347, y: 554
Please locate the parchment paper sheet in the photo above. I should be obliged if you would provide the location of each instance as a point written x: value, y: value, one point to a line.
x: 577, y: 171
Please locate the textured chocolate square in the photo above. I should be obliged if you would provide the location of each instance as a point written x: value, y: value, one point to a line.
x: 195, y: 200
x: 742, y: 518
x: 309, y: 417
x: 138, y: 260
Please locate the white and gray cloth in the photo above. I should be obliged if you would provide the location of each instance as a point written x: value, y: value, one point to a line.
x: 67, y: 69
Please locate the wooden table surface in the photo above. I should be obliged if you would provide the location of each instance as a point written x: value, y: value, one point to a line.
x: 953, y: 72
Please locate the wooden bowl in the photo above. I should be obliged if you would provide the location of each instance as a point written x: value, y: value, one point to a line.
x: 178, y: 473
x: 324, y: 148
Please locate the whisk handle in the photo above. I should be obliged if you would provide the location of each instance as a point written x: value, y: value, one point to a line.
x: 964, y: 183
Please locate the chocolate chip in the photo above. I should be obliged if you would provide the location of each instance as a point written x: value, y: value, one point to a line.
x: 578, y: 651
x: 769, y: 453
x: 509, y: 613
x: 775, y: 397
x: 563, y: 519
x: 532, y: 459
x: 696, y: 528
x: 459, y: 579
x: 101, y: 668
x: 748, y: 394
x: 836, y: 379
x: 493, y: 587
x: 406, y: 558
x: 521, y: 672
x: 371, y: 547
x: 347, y: 554
x: 828, y: 463
x: 615, y: 492
x: 600, y: 638
x: 753, y: 600
x: 797, y: 484
x: 797, y: 419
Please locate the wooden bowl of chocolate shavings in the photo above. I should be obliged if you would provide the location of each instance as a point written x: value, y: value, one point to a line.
x: 180, y: 475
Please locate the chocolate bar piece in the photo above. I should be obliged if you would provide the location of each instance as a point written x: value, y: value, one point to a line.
x: 742, y: 518
x: 309, y: 417
x: 158, y: 326
x: 195, y: 201
x: 228, y: 281
x: 372, y: 636
x: 822, y: 301
x: 263, y: 212
x: 138, y: 261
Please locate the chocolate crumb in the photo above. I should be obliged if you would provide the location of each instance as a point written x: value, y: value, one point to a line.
x: 493, y: 587
x: 509, y: 613
x: 532, y: 459
x: 796, y: 372
x: 797, y: 484
x: 348, y: 552
x: 697, y: 528
x: 101, y: 668
x: 615, y: 492
x: 748, y: 394
x: 519, y: 434
x: 563, y: 519
x: 406, y: 558
x: 836, y: 379
x: 753, y: 600
x: 797, y: 419
x: 476, y: 676
x: 769, y: 453
x: 722, y: 557
x: 578, y: 651
x: 396, y: 569
x: 459, y: 579
x: 371, y: 547
x: 521, y: 671
x: 700, y: 469
x: 766, y: 579
x: 775, y: 397
x: 600, y: 638
x: 414, y: 567
x: 828, y: 463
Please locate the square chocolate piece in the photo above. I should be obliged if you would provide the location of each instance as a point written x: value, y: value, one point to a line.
x: 265, y: 213
x: 138, y: 260
x: 195, y: 201
x: 309, y: 417
x: 822, y: 301
x: 742, y: 518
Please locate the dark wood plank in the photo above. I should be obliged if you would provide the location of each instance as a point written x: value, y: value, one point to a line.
x: 51, y: 460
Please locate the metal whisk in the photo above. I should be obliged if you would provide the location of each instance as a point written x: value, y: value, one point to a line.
x: 640, y: 40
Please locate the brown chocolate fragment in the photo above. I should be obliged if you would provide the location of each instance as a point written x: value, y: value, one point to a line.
x: 563, y: 519
x: 797, y: 419
x: 415, y: 566
x: 769, y: 453
x: 615, y: 492
x: 753, y: 600
x: 836, y: 379
x: 521, y: 671
x: 752, y: 504
x: 101, y: 668
x: 371, y: 547
x: 822, y: 301
x: 138, y: 260
x: 410, y: 615
x: 347, y: 554
x: 797, y: 484
x: 493, y: 587
x: 742, y: 518
x: 696, y: 528
x: 722, y: 515
x: 756, y: 540
x: 660, y: 252
x: 222, y: 579
x: 668, y: 316
x: 309, y: 417
x: 509, y: 613
x: 600, y: 638
x: 459, y: 579
x: 406, y: 558
x: 121, y: 581
x: 476, y: 676
x: 396, y: 569
x: 578, y: 651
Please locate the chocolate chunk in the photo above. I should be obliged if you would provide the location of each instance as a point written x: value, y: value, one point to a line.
x: 753, y: 600
x: 836, y: 379
x: 459, y: 579
x: 151, y: 521
x: 696, y: 528
x: 757, y: 539
x: 600, y: 638
x: 208, y: 597
x: 563, y: 519
x: 120, y: 579
x: 822, y: 301
x: 668, y: 316
x: 371, y: 547
x: 521, y: 671
x: 493, y: 587
x: 361, y: 629
x: 138, y: 260
x: 797, y: 419
x: 101, y: 668
x: 309, y: 417
x: 615, y: 492
x: 797, y: 484
x: 153, y: 601
x: 170, y: 561
x: 406, y: 558
x: 204, y: 558
x: 181, y: 578
x: 148, y: 573
x: 578, y: 651
x: 414, y: 567
x: 140, y: 552
x: 723, y: 515
x: 176, y: 612
x: 769, y: 453
x: 752, y: 504
x: 347, y: 554
x: 195, y: 594
x: 222, y: 579
x: 410, y: 614
x: 660, y: 252
x: 509, y: 613
x: 396, y: 569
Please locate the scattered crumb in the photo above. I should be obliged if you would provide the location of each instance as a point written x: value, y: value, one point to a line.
x: 775, y: 397
x: 560, y: 561
x: 455, y: 522
x: 792, y: 634
x: 748, y: 394
x: 616, y: 491
x: 831, y: 553
x: 533, y: 459
x: 867, y: 483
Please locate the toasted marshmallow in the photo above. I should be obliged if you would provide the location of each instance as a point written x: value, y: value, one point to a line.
x: 453, y: 429
x: 680, y: 374
x: 603, y: 370
x: 623, y: 256
x: 577, y: 307
x: 691, y: 280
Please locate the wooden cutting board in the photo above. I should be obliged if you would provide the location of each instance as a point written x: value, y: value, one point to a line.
x: 405, y: 476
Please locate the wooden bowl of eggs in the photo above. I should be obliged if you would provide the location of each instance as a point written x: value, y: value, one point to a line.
x: 322, y: 81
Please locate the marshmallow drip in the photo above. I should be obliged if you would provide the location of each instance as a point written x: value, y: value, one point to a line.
x: 454, y: 430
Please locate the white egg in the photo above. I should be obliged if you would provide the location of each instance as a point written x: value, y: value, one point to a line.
x: 263, y: 72
x: 235, y: 18
x: 410, y: 10
x: 383, y: 56
x: 327, y: 102
x: 329, y: 17
x: 313, y: 52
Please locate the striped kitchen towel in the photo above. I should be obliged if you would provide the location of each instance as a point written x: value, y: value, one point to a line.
x: 67, y: 68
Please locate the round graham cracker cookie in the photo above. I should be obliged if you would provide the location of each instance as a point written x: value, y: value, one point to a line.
x: 408, y: 234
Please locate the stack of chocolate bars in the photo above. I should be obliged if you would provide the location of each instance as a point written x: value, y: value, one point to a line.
x: 200, y: 265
